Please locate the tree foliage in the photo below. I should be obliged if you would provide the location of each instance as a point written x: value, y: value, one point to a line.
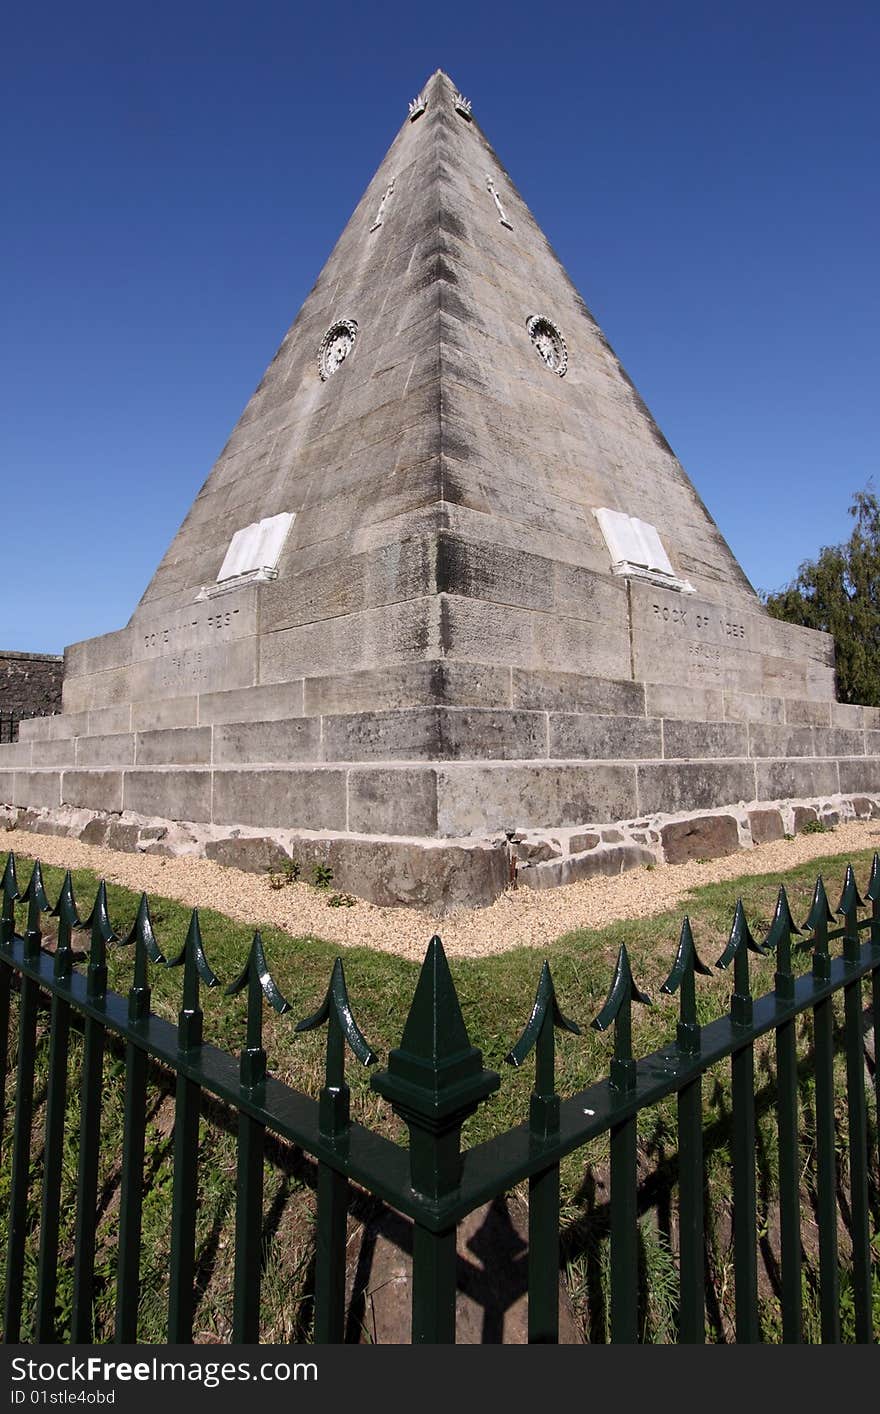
x: 839, y: 592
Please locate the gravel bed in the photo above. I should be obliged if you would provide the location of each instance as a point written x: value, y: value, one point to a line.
x: 520, y: 918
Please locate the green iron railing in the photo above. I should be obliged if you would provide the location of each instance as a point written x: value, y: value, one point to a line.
x: 434, y: 1080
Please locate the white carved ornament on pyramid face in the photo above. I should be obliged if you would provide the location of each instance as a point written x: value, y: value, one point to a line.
x: 471, y: 581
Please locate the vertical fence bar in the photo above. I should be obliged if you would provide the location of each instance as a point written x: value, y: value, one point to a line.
x: 56, y: 1106
x: 434, y: 1080
x: 35, y: 896
x: 857, y: 1114
x: 334, y: 1121
x: 826, y: 1178
x: 691, y: 1261
x: 742, y: 1071
x: 779, y: 939
x: 251, y: 1142
x: 874, y: 895
x: 128, y: 1269
x: 624, y: 1172
x: 8, y: 895
x: 543, y: 1320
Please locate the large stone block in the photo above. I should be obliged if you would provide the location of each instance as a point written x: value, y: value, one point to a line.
x: 93, y: 790
x: 442, y: 878
x: 765, y: 825
x: 847, y: 714
x: 170, y: 793
x: 254, y: 854
x: 435, y: 733
x: 807, y: 713
x: 103, y: 751
x: 751, y: 707
x: 786, y: 780
x: 16, y: 753
x: 704, y: 704
x: 37, y: 789
x: 177, y: 746
x: 297, y: 798
x: 668, y: 787
x: 7, y: 787
x: 859, y: 775
x: 774, y: 740
x: 164, y: 714
x: 294, y: 739
x: 545, y: 690
x: 62, y: 725
x: 488, y: 798
x: 838, y: 741
x: 399, y: 801
x: 683, y: 739
x: 409, y: 685
x: 55, y: 753
x: 603, y: 738
x: 107, y: 721
x: 704, y: 837
x: 264, y: 703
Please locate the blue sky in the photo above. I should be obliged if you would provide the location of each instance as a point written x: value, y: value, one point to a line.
x: 175, y: 175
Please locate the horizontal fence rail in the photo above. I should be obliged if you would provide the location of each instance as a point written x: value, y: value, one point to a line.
x: 434, y: 1080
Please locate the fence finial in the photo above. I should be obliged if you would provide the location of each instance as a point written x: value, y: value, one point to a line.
x: 68, y: 919
x: 539, y: 1032
x: 618, y: 1008
x: 260, y: 983
x: 739, y: 945
x: 65, y: 908
x: 35, y: 898
x: 850, y: 902
x: 687, y: 963
x: 341, y: 1028
x: 9, y: 890
x: 101, y: 934
x: 195, y: 965
x: 778, y: 940
x: 819, y: 917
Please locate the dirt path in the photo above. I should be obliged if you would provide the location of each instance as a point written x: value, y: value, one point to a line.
x: 523, y: 918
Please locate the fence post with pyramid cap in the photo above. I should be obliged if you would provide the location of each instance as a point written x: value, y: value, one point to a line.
x: 435, y: 1079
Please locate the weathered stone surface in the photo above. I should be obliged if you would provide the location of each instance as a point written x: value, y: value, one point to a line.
x: 669, y: 787
x: 164, y: 714
x: 766, y: 825
x: 704, y: 837
x: 103, y: 751
x: 121, y: 836
x: 784, y: 780
x: 848, y: 715
x: 444, y: 878
x: 573, y: 692
x: 770, y: 740
x: 803, y: 815
x: 750, y: 707
x: 492, y: 1262
x: 176, y: 746
x: 93, y: 790
x: 64, y: 724
x: 410, y: 685
x: 255, y: 855
x: 30, y: 682
x: 484, y: 799
x: 686, y: 740
x: 36, y: 788
x: 535, y: 853
x: 857, y: 776
x: 55, y: 753
x: 807, y: 713
x: 106, y: 721
x: 15, y: 753
x: 603, y: 738
x: 172, y: 794
x: 293, y: 739
x: 606, y: 860
x: 838, y: 741
x: 276, y: 701
x: 706, y: 704
x: 300, y: 797
x: 95, y: 831
x: 435, y: 733
x: 393, y: 802
x: 585, y: 840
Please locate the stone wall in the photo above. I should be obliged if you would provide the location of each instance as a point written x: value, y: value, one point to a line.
x: 30, y: 683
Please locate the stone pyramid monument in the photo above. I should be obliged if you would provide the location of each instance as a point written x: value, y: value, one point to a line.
x: 446, y: 597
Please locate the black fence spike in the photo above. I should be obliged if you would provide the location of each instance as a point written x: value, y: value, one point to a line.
x: 618, y: 1009
x: 778, y: 940
x: 682, y: 976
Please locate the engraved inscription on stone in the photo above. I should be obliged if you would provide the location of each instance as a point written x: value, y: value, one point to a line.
x: 176, y: 637
x: 336, y: 346
x: 380, y: 214
x: 549, y: 343
x: 493, y: 192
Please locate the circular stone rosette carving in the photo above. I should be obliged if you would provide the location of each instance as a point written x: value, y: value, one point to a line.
x: 336, y: 346
x: 549, y: 343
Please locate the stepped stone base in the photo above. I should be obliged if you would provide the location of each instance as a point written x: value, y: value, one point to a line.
x: 442, y: 876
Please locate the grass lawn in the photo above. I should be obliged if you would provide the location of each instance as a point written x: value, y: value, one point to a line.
x: 496, y: 994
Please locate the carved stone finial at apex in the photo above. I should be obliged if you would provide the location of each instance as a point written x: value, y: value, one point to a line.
x: 417, y: 107
x: 336, y: 346
x: 388, y: 194
x: 502, y: 214
x: 463, y: 105
x: 549, y: 343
